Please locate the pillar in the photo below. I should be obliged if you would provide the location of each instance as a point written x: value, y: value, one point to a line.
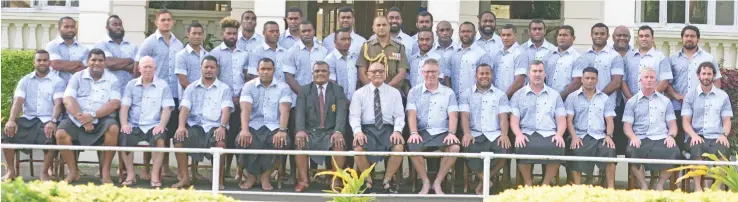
x: 92, y: 20
x: 5, y: 35
x: 135, y: 18
x: 451, y: 11
x: 238, y: 7
x: 269, y: 10
x: 581, y: 15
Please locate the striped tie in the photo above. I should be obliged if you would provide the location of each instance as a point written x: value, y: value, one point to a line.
x: 377, y: 109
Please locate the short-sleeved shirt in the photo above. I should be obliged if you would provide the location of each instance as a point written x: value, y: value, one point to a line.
x: 446, y: 53
x: 404, y: 39
x: 286, y: 39
x: 58, y: 50
x: 608, y: 62
x: 395, y: 53
x: 432, y: 108
x: 357, y: 41
x: 361, y: 110
x: 562, y: 67
x: 589, y: 115
x: 249, y: 44
x: 493, y: 45
x: 649, y: 115
x: 464, y: 64
x: 189, y: 63
x: 635, y: 61
x: 125, y: 49
x: 231, y: 63
x: 540, y: 52
x: 707, y: 111
x: 300, y: 61
x: 415, y: 75
x: 264, y: 51
x: 344, y: 71
x: 265, y: 102
x: 92, y: 95
x: 537, y: 112
x: 483, y: 108
x: 146, y: 103
x: 164, y: 54
x: 685, y: 72
x: 206, y: 103
x: 39, y: 95
x: 512, y: 62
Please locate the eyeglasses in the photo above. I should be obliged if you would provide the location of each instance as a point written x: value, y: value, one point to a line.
x: 378, y: 71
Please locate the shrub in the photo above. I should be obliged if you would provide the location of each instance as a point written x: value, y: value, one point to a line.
x: 582, y: 193
x: 18, y: 191
x: 15, y: 64
x: 352, y: 184
x: 727, y: 175
x: 730, y: 86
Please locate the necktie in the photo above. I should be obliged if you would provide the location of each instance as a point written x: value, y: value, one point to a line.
x: 377, y: 109
x: 322, y: 106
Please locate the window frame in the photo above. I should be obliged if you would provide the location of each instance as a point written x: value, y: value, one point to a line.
x: 42, y: 5
x: 711, y: 14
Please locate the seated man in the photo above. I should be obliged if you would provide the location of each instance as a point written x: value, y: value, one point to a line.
x: 432, y: 116
x: 591, y: 122
x: 376, y: 117
x: 145, y: 111
x: 484, y: 119
x: 91, y: 98
x: 205, y: 109
x: 39, y: 96
x: 645, y: 119
x: 265, y: 107
x: 538, y: 122
x: 706, y: 114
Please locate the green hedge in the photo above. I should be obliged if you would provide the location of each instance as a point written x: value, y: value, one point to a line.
x: 596, y: 194
x: 15, y: 64
x: 18, y: 191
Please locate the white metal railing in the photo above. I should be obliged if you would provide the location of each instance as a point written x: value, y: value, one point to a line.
x: 486, y: 156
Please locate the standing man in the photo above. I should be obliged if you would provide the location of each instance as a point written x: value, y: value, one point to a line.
x: 67, y: 55
x: 645, y: 56
x: 377, y: 121
x: 248, y: 39
x: 621, y: 45
x: 565, y: 64
x: 119, y: 51
x: 432, y: 116
x: 394, y: 18
x: 418, y: 59
x: 444, y: 44
x: 343, y: 62
x: 706, y: 114
x: 390, y: 53
x: 591, y: 124
x: 424, y: 20
x: 271, y: 49
x: 163, y: 46
x: 203, y: 122
x: 265, y: 105
x: 488, y: 39
x: 651, y: 127
x: 291, y: 35
x: 324, y: 131
x: 39, y: 96
x: 607, y: 61
x: 466, y: 58
x: 302, y: 57
x: 91, y: 98
x: 144, y: 114
x: 346, y: 21
x: 537, y: 46
x: 484, y: 119
x: 538, y: 122
x: 513, y: 62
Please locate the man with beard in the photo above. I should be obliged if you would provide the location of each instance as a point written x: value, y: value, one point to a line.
x: 187, y: 61
x: 145, y: 110
x: 67, y: 55
x: 484, y: 121
x: 39, y: 96
x: 342, y: 63
x: 645, y: 56
x: 510, y: 75
x: 390, y: 53
x: 538, y: 122
x: 291, y: 35
x: 444, y: 43
x: 233, y: 63
x: 650, y: 125
x: 206, y: 107
x: 163, y: 46
x: 684, y: 64
x: 119, y: 51
x: 394, y: 18
x: 346, y: 21
x: 610, y: 66
x: 302, y: 57
x: 424, y: 20
x: 248, y: 38
x: 564, y: 65
x: 466, y: 58
x: 271, y: 49
x: 706, y: 114
x: 91, y: 98
x: 488, y: 39
x: 265, y: 108
x: 537, y: 46
x: 425, y: 44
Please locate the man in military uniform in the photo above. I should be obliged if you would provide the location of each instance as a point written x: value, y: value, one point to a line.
x: 386, y: 51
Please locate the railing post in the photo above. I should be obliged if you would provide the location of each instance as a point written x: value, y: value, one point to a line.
x: 216, y: 151
x: 485, y: 182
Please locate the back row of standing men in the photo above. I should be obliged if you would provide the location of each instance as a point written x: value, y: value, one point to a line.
x: 264, y: 81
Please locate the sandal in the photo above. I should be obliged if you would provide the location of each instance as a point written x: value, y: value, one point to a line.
x: 389, y: 188
x: 155, y: 185
x: 128, y: 183
x: 302, y: 187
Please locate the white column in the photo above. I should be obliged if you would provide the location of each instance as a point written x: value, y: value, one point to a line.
x: 449, y: 11
x: 134, y: 16
x: 31, y: 41
x: 674, y: 47
x: 45, y: 38
x: 581, y: 15
x: 729, y: 55
x: 714, y: 48
x: 269, y: 10
x: 238, y: 7
x: 5, y: 35
x: 92, y: 20
x: 18, y: 39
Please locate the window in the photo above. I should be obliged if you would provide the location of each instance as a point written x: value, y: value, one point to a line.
x: 40, y: 3
x: 706, y: 14
x: 724, y: 13
x: 192, y: 5
x: 546, y: 10
x: 650, y: 11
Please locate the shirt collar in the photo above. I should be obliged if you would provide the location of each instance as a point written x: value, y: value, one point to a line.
x: 265, y: 46
x: 59, y: 40
x: 48, y: 75
x: 527, y: 89
x: 286, y: 33
x: 339, y: 56
x: 401, y: 36
x: 158, y: 35
x: 581, y: 91
x: 570, y: 50
x: 192, y: 50
x: 438, y: 45
x: 511, y: 49
x: 216, y: 83
x: 86, y: 75
x: 255, y: 36
x: 317, y: 86
x: 139, y: 81
x: 493, y: 38
x: 223, y: 46
x: 122, y: 41
x: 640, y: 95
x: 372, y: 87
x: 606, y: 49
x: 681, y: 51
x: 424, y: 89
x: 476, y: 89
x: 712, y: 90
x: 302, y: 46
x: 650, y: 52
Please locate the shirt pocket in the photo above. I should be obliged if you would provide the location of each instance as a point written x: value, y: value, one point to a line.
x: 84, y: 88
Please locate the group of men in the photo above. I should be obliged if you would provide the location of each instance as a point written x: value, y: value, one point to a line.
x: 285, y: 90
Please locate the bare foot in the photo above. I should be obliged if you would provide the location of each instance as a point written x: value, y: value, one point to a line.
x: 9, y: 176
x: 438, y: 188
x: 181, y: 184
x: 266, y: 185
x: 248, y: 183
x: 425, y: 189
x: 479, y: 190
x: 46, y: 177
x: 145, y: 175
x: 166, y: 172
x: 198, y: 177
x: 107, y: 180
x: 644, y: 186
x: 71, y: 177
x: 659, y: 187
x: 239, y: 175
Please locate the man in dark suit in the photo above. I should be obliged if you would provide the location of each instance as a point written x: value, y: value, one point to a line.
x: 320, y: 119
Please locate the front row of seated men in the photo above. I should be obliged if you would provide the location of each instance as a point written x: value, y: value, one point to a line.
x: 539, y: 119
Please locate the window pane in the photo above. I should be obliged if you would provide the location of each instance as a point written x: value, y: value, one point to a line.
x: 546, y: 10
x: 16, y: 4
x: 56, y: 3
x: 650, y: 11
x: 676, y: 11
x: 191, y: 5
x: 724, y: 14
x: 75, y: 3
x: 697, y: 12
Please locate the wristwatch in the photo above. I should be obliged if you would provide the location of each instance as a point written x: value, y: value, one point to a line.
x: 222, y: 126
x: 93, y: 114
x: 282, y: 129
x: 608, y: 135
x: 724, y: 134
x: 54, y: 121
x: 452, y: 132
x: 414, y: 133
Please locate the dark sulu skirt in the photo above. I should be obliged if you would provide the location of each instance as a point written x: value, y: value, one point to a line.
x: 591, y: 147
x: 430, y: 142
x: 138, y: 135
x: 709, y: 146
x: 260, y: 139
x: 653, y: 149
x: 482, y: 144
x: 94, y: 138
x: 29, y: 132
x: 539, y: 145
x: 199, y: 139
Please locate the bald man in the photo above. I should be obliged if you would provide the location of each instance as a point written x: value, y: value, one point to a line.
x: 146, y: 106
